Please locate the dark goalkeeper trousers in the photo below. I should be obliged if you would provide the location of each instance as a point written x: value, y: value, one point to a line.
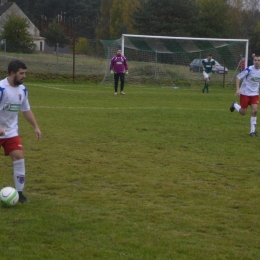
x: 122, y: 81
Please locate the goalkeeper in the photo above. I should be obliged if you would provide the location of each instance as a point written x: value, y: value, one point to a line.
x: 207, y: 65
x: 118, y: 68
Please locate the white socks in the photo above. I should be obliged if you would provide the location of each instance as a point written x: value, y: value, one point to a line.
x: 253, y: 124
x: 237, y: 107
x: 19, y: 174
x: 252, y: 120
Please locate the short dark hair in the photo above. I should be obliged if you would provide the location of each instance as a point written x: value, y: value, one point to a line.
x: 209, y: 55
x: 15, y: 65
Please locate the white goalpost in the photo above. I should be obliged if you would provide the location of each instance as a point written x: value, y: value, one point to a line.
x: 168, y: 60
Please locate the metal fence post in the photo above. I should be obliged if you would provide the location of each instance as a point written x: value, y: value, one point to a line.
x: 57, y: 58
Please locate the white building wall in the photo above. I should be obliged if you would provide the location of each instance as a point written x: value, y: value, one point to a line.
x: 32, y: 29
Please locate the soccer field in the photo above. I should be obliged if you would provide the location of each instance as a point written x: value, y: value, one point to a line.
x: 159, y: 173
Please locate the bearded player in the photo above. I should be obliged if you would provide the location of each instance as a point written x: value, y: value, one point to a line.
x: 14, y: 98
x: 118, y: 68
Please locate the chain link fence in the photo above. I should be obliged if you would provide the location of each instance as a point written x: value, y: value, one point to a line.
x: 61, y: 62
x: 88, y: 60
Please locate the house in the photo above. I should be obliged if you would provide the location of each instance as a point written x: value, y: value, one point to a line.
x: 7, y: 8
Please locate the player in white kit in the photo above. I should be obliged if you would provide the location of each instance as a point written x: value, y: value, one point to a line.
x: 248, y: 93
x: 14, y: 98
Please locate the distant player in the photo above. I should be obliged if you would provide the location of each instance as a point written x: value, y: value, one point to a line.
x: 207, y: 65
x: 248, y: 93
x: 118, y: 68
x: 250, y: 61
x: 14, y: 98
x: 242, y: 64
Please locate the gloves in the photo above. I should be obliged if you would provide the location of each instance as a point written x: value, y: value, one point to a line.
x: 112, y: 72
x: 126, y: 72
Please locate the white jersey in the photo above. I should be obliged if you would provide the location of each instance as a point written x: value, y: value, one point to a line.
x: 251, y: 79
x: 12, y: 100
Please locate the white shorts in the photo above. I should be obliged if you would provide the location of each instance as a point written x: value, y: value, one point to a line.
x: 206, y: 75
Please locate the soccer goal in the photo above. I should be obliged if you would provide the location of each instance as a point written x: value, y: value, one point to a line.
x: 176, y: 60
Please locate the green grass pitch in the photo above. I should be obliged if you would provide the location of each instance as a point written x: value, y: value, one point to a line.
x: 156, y: 174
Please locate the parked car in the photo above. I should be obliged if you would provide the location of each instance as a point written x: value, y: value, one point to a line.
x: 195, y: 66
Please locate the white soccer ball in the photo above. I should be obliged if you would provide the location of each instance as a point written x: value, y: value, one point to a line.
x: 9, y: 196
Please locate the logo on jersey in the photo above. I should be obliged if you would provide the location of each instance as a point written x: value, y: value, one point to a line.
x: 20, y: 97
x: 21, y: 179
x: 11, y: 107
x: 255, y: 79
x: 6, y: 107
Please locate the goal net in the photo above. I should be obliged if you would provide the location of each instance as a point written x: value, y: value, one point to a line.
x: 162, y: 60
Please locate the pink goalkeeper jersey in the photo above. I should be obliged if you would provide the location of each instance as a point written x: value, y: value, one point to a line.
x: 12, y: 100
x: 118, y: 64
